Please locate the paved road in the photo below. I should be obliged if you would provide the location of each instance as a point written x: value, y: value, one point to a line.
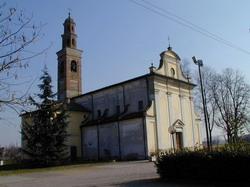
x: 123, y: 174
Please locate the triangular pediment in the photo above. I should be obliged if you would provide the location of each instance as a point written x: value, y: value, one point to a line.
x: 176, y: 126
x: 178, y: 123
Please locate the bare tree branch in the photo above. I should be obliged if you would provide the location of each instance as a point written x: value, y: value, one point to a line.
x: 17, y: 34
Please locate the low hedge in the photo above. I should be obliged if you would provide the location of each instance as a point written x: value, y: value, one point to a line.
x: 224, y: 163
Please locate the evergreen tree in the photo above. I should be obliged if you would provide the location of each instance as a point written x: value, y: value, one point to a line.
x: 45, y: 137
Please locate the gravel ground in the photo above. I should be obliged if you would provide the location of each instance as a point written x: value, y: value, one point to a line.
x: 123, y: 174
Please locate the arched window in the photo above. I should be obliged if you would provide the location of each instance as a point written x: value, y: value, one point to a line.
x: 73, y: 42
x: 172, y: 71
x: 68, y: 42
x: 72, y: 29
x: 73, y: 66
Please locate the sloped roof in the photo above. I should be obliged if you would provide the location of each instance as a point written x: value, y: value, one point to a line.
x: 72, y: 106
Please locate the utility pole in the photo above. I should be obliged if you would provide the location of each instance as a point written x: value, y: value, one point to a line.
x: 200, y: 64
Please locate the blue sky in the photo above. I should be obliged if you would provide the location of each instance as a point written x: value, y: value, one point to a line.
x: 120, y: 39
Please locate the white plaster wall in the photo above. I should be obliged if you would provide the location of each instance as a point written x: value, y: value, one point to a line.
x: 151, y: 135
x: 172, y: 103
x: 89, y: 138
x: 110, y: 98
x: 109, y: 144
x: 73, y: 129
x: 161, y: 131
x: 85, y: 101
x: 132, y: 139
x: 179, y: 102
x: 134, y: 92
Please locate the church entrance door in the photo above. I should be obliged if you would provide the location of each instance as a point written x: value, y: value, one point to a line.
x: 179, y: 140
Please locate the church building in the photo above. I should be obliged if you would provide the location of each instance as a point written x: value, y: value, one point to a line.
x: 129, y: 120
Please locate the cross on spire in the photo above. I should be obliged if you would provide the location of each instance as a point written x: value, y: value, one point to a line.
x: 69, y: 10
x: 169, y: 46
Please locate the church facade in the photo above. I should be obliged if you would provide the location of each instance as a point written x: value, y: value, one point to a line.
x: 129, y: 120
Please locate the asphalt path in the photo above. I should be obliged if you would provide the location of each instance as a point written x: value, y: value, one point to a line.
x: 123, y: 174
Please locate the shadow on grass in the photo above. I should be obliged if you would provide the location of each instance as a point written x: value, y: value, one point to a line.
x: 164, y: 183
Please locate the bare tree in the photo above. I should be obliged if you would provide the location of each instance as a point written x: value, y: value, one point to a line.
x: 17, y: 34
x: 186, y: 67
x: 232, y: 96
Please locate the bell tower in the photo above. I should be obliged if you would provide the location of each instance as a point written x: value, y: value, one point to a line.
x: 69, y: 63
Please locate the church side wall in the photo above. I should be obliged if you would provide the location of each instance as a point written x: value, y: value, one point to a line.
x: 120, y: 139
x: 132, y: 139
x: 89, y: 143
x: 26, y: 120
x: 109, y: 141
x: 73, y: 130
x: 123, y: 140
x: 123, y: 96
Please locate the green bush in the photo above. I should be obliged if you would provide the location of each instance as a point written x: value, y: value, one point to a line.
x: 230, y: 162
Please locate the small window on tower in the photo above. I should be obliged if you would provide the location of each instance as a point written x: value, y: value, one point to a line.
x: 73, y: 42
x: 72, y: 29
x: 73, y: 66
x: 68, y: 42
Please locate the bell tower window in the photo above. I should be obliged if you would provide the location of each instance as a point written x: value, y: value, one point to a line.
x: 73, y: 66
x: 73, y: 42
x: 68, y: 42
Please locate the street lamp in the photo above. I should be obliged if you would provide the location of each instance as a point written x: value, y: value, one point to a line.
x: 200, y: 64
x: 172, y: 130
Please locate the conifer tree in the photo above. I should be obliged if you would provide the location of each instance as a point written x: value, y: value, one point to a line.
x: 44, y: 139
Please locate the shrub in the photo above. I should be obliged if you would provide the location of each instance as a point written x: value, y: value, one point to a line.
x: 229, y: 162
